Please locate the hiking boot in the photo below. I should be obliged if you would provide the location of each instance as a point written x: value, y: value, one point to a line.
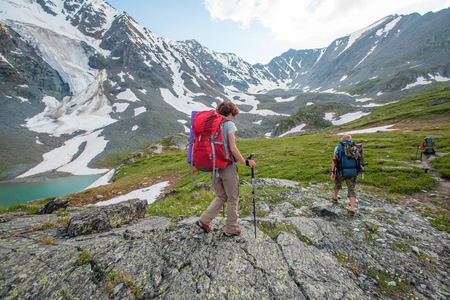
x: 351, y: 213
x: 238, y: 232
x: 335, y: 201
x: 203, y: 226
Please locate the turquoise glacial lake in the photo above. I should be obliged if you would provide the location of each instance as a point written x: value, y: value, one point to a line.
x: 21, y: 192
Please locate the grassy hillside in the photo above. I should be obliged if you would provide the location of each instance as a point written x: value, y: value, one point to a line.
x: 393, y: 168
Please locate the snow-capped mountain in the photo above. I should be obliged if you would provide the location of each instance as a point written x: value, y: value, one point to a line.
x: 384, y: 57
x: 81, y: 80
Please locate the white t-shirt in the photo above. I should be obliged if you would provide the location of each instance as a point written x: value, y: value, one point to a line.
x: 228, y: 127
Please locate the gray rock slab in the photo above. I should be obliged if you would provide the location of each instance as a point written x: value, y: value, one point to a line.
x: 317, y: 272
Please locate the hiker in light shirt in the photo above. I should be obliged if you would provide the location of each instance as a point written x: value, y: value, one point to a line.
x: 226, y: 185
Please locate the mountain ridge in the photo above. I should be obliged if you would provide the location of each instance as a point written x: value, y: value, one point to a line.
x: 136, y: 87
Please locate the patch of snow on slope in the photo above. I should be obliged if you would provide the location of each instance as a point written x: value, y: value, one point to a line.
x: 296, y: 129
x: 182, y: 100
x: 127, y: 95
x: 184, y: 122
x: 353, y: 37
x: 349, y: 117
x: 375, y: 104
x: 139, y: 110
x: 183, y: 104
x: 104, y: 180
x: 363, y: 99
x: 121, y: 107
x: 281, y: 99
x: 367, y: 55
x: 60, y: 159
x: 438, y: 78
x: 149, y: 193
x: 87, y: 111
x: 329, y: 116
x: 388, y: 27
x: 240, y: 98
x: 420, y: 81
x: 369, y: 130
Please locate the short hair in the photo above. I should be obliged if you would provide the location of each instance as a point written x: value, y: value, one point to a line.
x: 226, y: 107
x: 346, y: 137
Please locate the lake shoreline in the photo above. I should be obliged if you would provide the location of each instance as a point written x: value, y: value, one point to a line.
x: 42, y: 177
x: 58, y: 184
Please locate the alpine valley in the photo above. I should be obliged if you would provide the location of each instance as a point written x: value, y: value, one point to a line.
x: 81, y: 80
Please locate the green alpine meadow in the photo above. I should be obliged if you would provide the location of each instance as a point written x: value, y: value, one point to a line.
x: 393, y: 161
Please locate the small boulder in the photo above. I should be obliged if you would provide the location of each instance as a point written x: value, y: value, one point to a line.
x: 438, y: 101
x: 52, y: 206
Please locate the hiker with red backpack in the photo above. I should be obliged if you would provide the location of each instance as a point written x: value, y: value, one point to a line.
x: 224, y: 174
x: 345, y: 166
x: 429, y: 148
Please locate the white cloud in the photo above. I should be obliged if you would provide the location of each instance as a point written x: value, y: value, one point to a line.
x: 306, y: 24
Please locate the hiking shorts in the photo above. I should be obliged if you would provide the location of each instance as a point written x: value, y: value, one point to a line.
x: 351, y: 184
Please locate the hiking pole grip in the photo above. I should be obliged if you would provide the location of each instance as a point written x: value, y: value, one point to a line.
x: 250, y: 157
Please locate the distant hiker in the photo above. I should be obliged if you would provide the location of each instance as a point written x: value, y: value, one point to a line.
x: 345, y: 166
x: 429, y: 148
x: 226, y: 182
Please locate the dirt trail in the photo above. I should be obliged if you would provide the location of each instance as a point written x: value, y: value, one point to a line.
x: 441, y: 193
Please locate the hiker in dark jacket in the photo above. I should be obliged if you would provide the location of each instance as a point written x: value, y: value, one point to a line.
x: 226, y: 185
x: 338, y: 178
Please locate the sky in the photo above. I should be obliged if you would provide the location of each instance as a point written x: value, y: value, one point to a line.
x: 259, y: 30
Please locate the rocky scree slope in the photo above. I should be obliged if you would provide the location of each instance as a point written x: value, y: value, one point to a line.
x: 387, y: 251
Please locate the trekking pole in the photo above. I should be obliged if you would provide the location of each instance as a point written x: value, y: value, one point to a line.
x: 253, y: 193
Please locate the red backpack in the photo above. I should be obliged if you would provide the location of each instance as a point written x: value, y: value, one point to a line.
x: 209, y: 151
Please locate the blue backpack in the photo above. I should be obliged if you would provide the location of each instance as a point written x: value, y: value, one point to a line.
x: 348, y: 166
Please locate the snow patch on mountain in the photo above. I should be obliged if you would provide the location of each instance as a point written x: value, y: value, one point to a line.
x: 353, y: 37
x: 139, y: 110
x: 88, y: 111
x: 386, y: 29
x: 296, y: 129
x: 184, y: 122
x: 61, y: 44
x: 240, y: 98
x: 281, y: 99
x: 127, y: 95
x: 420, y: 81
x: 181, y: 103
x: 370, y: 130
x: 62, y: 159
x: 120, y: 107
x: 438, y: 78
x: 150, y: 194
x: 344, y: 118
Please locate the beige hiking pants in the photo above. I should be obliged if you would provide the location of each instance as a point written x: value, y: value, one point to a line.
x: 226, y: 187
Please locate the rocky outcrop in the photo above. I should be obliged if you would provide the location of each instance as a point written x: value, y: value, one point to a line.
x: 386, y: 251
x: 105, y: 218
x: 52, y: 206
x: 438, y: 101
